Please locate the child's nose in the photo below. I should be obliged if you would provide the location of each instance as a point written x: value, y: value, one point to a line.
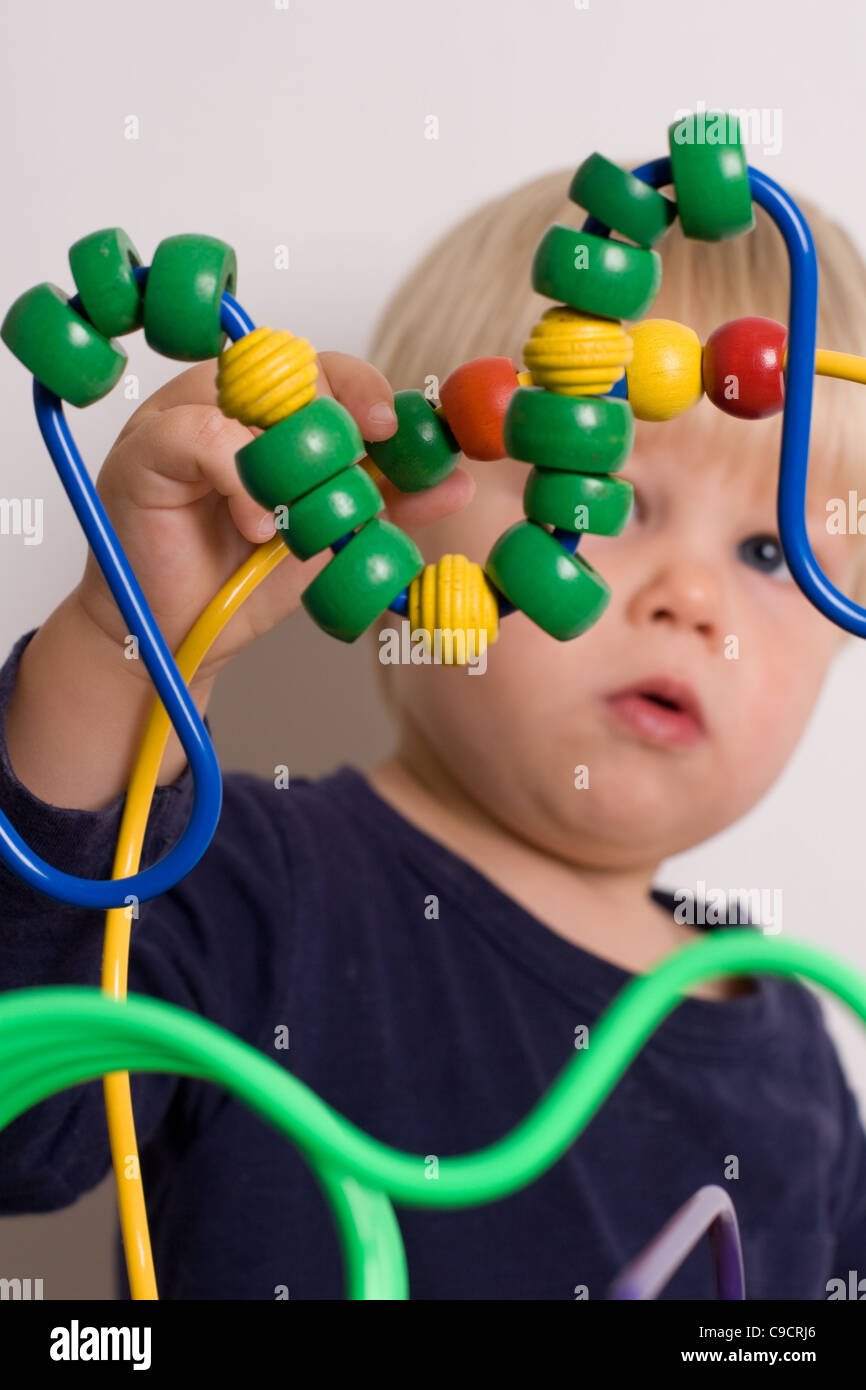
x: 683, y: 594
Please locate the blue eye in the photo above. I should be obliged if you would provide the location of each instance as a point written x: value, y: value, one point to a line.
x: 764, y: 553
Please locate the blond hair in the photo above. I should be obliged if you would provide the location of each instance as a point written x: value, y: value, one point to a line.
x: 470, y: 296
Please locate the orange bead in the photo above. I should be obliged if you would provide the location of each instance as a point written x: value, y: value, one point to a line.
x: 475, y: 398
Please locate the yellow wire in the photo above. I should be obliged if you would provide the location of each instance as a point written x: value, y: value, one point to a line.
x: 115, y: 958
x: 843, y: 365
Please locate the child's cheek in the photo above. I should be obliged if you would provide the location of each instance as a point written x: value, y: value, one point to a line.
x: 767, y: 720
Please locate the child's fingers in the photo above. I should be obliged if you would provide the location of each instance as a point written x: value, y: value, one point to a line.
x: 356, y: 384
x: 178, y: 455
x: 188, y: 444
x: 196, y: 386
x: 368, y: 397
x: 416, y: 509
x: 362, y: 389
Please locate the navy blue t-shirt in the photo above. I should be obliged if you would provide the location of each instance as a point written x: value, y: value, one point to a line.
x: 311, y: 911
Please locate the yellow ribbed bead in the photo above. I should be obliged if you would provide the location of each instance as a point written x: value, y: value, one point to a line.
x: 454, y: 597
x: 664, y: 377
x: 266, y: 376
x: 576, y: 354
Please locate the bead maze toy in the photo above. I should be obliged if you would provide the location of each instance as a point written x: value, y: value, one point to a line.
x: 570, y: 415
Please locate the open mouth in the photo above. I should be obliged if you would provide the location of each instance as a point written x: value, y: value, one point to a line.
x: 660, y: 700
x: 659, y: 710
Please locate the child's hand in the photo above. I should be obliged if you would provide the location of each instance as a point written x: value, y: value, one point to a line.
x: 170, y: 485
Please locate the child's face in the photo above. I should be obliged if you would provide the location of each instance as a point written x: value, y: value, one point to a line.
x: 695, y: 598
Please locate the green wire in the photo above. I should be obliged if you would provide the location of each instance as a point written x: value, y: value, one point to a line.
x: 93, y: 1034
x: 373, y: 1253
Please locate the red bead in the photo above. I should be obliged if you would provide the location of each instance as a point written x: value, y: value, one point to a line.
x: 475, y: 398
x: 742, y: 367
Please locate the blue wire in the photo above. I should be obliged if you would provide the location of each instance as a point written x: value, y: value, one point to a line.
x: 233, y: 319
x: 799, y: 382
x: 161, y: 666
x: 569, y: 540
x: 400, y: 604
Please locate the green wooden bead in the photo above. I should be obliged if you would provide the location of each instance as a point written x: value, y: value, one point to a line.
x: 560, y: 592
x: 362, y: 579
x: 299, y: 453
x: 615, y: 197
x: 578, y: 434
x: 330, y: 511
x: 711, y: 176
x: 182, y: 297
x: 62, y: 350
x: 577, y: 501
x: 423, y: 449
x: 594, y: 274
x: 102, y: 266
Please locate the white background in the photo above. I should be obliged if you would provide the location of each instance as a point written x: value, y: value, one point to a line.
x: 304, y: 125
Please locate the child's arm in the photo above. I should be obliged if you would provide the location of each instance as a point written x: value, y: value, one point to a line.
x: 171, y: 488
x: 58, y: 1149
x: 75, y: 707
x: 217, y: 945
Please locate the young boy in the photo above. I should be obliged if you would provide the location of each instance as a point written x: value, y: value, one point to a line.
x: 433, y: 934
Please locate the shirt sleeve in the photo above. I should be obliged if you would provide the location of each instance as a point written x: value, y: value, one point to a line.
x: 59, y: 1148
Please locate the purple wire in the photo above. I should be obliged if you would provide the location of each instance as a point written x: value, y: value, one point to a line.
x: 710, y: 1209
